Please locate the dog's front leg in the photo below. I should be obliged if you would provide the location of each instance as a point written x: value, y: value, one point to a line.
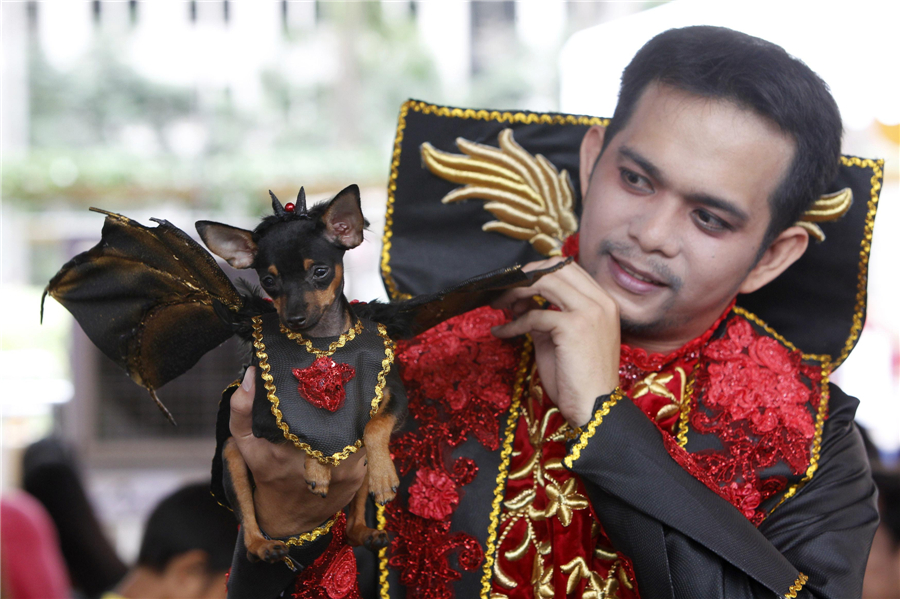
x: 237, y: 484
x: 318, y: 476
x: 382, y: 475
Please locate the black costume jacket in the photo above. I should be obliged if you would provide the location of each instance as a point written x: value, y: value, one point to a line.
x: 770, y: 495
x: 730, y: 468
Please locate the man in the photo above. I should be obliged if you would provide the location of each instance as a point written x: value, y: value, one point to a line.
x: 186, y: 549
x: 718, y: 144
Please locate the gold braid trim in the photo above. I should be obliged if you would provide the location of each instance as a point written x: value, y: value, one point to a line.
x: 384, y: 588
x: 795, y: 588
x: 459, y: 113
x: 865, y: 248
x: 614, y: 398
x: 350, y: 335
x: 817, y: 438
x: 505, y: 454
x: 269, y: 383
x: 764, y: 325
x: 389, y: 209
x: 687, y: 403
x: 385, y: 369
x: 308, y: 537
x: 827, y: 367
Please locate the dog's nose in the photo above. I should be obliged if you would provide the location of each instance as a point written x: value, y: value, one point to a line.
x: 296, y: 321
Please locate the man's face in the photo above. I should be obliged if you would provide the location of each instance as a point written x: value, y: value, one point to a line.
x: 676, y: 210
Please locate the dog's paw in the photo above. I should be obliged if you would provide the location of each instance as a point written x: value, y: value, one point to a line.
x: 318, y: 476
x: 383, y: 484
x: 319, y: 487
x: 376, y: 540
x: 269, y: 551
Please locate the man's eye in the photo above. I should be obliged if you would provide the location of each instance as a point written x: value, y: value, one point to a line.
x: 710, y: 222
x: 636, y: 181
x: 320, y: 272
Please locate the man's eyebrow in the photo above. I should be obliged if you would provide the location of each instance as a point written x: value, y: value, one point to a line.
x: 700, y: 198
x: 648, y: 167
x: 719, y: 204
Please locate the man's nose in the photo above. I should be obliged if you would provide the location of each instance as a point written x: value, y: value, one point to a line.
x: 655, y: 227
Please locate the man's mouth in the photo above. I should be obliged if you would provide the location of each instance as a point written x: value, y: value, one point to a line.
x: 634, y: 279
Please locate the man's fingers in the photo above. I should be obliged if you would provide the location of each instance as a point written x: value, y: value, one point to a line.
x: 534, y: 321
x: 242, y: 405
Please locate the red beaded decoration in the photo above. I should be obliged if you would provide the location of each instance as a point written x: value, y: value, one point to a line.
x: 289, y: 207
x: 322, y: 383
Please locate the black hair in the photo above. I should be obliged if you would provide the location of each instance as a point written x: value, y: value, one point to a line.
x: 189, y: 519
x: 720, y: 63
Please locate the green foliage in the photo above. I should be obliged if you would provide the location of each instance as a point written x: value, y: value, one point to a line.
x: 103, y: 134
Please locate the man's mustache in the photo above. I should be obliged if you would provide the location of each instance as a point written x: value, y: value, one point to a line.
x: 660, y: 272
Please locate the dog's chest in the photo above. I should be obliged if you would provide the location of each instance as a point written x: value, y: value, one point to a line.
x: 318, y: 393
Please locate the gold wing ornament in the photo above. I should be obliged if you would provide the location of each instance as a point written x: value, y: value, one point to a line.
x: 530, y: 198
x: 533, y: 201
x: 830, y: 206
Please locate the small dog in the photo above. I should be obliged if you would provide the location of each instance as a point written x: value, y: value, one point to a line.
x: 298, y: 254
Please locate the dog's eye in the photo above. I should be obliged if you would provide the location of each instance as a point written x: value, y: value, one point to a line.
x: 320, y: 272
x: 267, y: 281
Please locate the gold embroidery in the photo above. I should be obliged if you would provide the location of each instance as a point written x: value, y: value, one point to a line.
x: 531, y: 198
x: 614, y: 397
x: 795, y: 588
x: 542, y: 579
x: 831, y: 206
x: 864, y: 249
x: 655, y: 383
x: 350, y: 335
x: 269, y: 383
x: 312, y: 535
x: 563, y: 501
x: 505, y: 453
x: 443, y: 111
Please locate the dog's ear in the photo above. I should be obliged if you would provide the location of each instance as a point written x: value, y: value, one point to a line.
x: 235, y: 246
x: 343, y: 218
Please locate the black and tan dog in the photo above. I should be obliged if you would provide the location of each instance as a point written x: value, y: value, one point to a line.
x: 298, y: 254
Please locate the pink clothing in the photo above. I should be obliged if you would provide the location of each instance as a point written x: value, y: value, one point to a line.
x: 32, y: 565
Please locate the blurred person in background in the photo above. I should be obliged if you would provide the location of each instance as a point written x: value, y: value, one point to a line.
x: 882, y: 580
x: 50, y: 473
x: 186, y: 550
x: 31, y: 565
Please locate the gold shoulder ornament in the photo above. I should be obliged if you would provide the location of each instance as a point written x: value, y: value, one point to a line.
x: 528, y: 196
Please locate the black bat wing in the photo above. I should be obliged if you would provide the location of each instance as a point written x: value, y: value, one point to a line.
x: 147, y: 297
x: 411, y: 317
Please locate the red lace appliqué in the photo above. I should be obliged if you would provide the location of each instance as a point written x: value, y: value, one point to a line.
x: 333, y: 574
x: 759, y: 399
x: 459, y: 381
x: 322, y: 382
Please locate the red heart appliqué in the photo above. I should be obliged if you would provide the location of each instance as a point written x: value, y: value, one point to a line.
x: 322, y: 382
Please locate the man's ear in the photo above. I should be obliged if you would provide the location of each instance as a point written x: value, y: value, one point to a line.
x: 343, y: 218
x: 235, y: 246
x: 591, y: 145
x: 784, y: 251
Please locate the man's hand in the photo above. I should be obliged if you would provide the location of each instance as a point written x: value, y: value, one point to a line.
x: 577, y: 347
x: 284, y: 504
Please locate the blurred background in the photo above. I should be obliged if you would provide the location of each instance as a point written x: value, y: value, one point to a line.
x: 189, y: 110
